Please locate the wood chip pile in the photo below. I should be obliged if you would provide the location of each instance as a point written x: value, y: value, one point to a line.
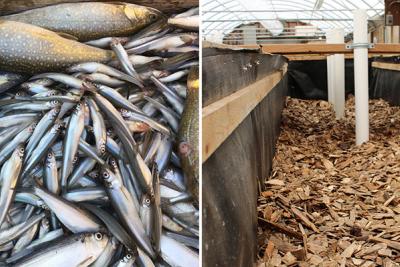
x: 327, y: 201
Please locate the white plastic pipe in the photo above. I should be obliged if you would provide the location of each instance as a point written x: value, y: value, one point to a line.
x: 329, y: 62
x: 361, y: 76
x: 331, y: 80
x: 339, y: 85
x: 335, y: 69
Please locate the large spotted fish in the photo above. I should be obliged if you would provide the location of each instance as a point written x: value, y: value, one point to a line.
x: 188, y: 134
x: 31, y: 49
x: 92, y: 20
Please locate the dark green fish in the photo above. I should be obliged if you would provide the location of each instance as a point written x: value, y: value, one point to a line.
x: 88, y: 21
x: 31, y: 49
x: 188, y: 140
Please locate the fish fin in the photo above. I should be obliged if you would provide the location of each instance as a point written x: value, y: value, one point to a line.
x: 86, y: 262
x: 128, y: 13
x: 67, y: 36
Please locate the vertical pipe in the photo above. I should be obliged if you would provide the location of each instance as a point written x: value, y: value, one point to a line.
x: 388, y: 34
x: 396, y: 34
x: 335, y: 65
x: 339, y: 86
x: 361, y: 76
x: 339, y: 90
x: 330, y: 78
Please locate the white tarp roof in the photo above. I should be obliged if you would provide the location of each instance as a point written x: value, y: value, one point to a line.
x: 221, y: 16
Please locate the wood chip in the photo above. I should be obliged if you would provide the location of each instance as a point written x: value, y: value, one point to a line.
x: 280, y: 228
x: 357, y: 262
x: 315, y: 260
x: 305, y: 220
x: 289, y: 259
x: 275, y: 182
x: 392, y: 244
x: 348, y: 252
x: 270, y: 248
x: 370, y: 250
x: 267, y: 193
x: 334, y: 203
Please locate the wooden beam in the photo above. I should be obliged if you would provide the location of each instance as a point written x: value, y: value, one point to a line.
x: 386, y: 66
x: 222, y: 117
x: 287, y: 49
x: 321, y: 49
x: 311, y: 57
x: 307, y: 49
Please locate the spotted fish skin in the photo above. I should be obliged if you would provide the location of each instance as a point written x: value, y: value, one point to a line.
x: 188, y: 136
x: 92, y: 20
x: 30, y: 49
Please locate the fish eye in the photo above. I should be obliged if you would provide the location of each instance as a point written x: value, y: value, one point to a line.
x: 21, y: 150
x: 147, y: 201
x: 49, y: 155
x: 153, y: 17
x: 105, y: 174
x: 128, y: 256
x: 98, y: 236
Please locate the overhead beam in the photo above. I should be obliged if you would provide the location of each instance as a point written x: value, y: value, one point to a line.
x: 310, y: 57
x: 325, y: 49
x: 221, y: 118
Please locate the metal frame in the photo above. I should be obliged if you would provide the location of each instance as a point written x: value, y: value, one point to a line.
x: 222, y: 16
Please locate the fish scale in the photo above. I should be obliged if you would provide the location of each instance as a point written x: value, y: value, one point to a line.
x: 31, y: 49
x: 87, y: 21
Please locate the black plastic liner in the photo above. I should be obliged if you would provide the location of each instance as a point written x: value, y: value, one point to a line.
x: 308, y: 80
x: 385, y: 84
x: 231, y: 174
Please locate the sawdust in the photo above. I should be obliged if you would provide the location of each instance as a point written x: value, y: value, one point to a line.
x: 329, y: 202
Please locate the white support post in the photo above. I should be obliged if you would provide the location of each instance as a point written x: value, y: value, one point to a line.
x: 329, y: 62
x: 396, y: 34
x: 335, y: 63
x: 361, y: 75
x: 339, y: 86
x: 388, y: 34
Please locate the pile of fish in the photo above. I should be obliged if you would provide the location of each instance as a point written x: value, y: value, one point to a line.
x: 99, y: 136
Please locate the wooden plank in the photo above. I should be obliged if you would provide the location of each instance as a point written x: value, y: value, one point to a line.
x: 287, y: 49
x: 222, y: 117
x: 308, y: 49
x: 311, y: 57
x: 386, y: 66
x: 172, y: 6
